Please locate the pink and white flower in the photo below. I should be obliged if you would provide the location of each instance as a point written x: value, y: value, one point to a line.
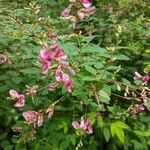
x: 86, y: 12
x: 19, y: 98
x: 33, y: 117
x: 66, y: 12
x: 64, y: 79
x: 83, y: 125
x: 86, y: 3
x: 47, y: 56
x: 134, y: 109
x: 144, y: 78
x: 53, y: 86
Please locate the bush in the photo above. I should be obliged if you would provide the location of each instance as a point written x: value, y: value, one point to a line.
x: 74, y: 77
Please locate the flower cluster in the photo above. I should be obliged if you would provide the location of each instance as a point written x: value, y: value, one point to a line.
x: 48, y: 55
x: 85, y: 11
x: 19, y: 99
x: 145, y: 79
x: 134, y: 109
x: 33, y: 117
x: 61, y: 78
x: 83, y: 125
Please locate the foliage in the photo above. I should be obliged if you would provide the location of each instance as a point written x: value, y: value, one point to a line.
x: 105, y: 53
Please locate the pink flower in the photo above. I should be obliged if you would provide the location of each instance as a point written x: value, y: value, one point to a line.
x: 89, y: 11
x: 50, y: 112
x: 134, y: 109
x: 66, y: 12
x: 64, y: 79
x: 20, y: 98
x: 75, y: 124
x: 59, y: 53
x: 86, y: 3
x: 30, y: 116
x: 68, y: 85
x: 86, y: 12
x: 81, y: 14
x: 84, y: 125
x: 61, y: 76
x: 53, y: 86
x: 46, y: 57
x: 13, y: 94
x: 145, y: 78
x: 33, y: 117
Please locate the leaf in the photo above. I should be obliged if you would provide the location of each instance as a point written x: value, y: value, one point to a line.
x: 145, y: 119
x: 91, y: 70
x: 87, y: 38
x: 121, y: 125
x: 64, y: 144
x: 113, y: 129
x: 120, y: 134
x: 3, y: 135
x: 89, y: 78
x: 98, y: 65
x: 126, y: 82
x: 117, y: 129
x: 30, y: 71
x: 103, y: 96
x: 122, y: 57
x: 70, y: 48
x: 73, y: 139
x: 17, y: 80
x: 106, y: 134
x: 93, y: 48
x: 100, y: 121
x: 142, y: 133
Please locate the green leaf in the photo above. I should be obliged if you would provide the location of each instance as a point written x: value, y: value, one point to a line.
x: 106, y: 134
x: 117, y: 129
x: 142, y: 133
x: 145, y: 119
x: 30, y: 71
x: 103, y: 96
x: 126, y: 82
x: 87, y: 38
x: 70, y: 48
x: 122, y: 57
x: 113, y: 129
x: 89, y: 78
x: 100, y: 121
x: 3, y: 135
x: 73, y: 139
x: 91, y: 70
x: 93, y: 48
x: 98, y: 65
x: 64, y: 144
x: 17, y: 80
x: 120, y: 134
x: 121, y: 125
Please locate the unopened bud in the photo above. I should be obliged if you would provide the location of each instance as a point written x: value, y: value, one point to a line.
x: 119, y: 29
